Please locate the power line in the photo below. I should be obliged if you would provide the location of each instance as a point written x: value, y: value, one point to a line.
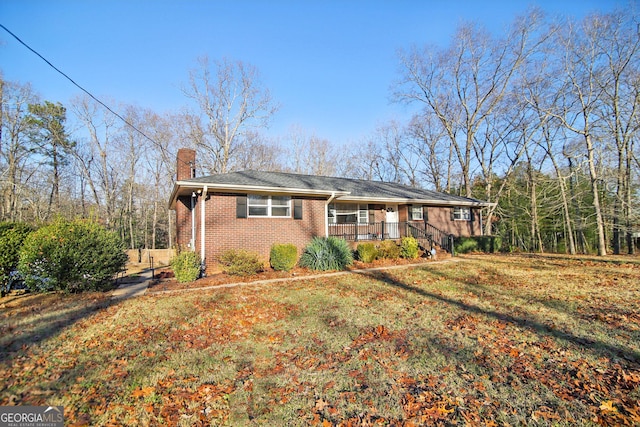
x: 81, y: 88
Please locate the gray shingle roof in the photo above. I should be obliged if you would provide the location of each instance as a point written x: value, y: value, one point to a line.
x: 360, y: 189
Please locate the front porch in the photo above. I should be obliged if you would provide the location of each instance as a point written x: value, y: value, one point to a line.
x: 427, y: 235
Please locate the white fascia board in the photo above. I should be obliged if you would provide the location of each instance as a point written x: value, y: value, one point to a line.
x: 249, y: 189
x: 402, y: 201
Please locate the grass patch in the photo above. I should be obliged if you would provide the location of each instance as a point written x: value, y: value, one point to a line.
x: 519, y: 340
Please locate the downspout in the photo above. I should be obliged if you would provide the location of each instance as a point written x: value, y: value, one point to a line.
x: 481, y: 225
x: 202, y: 229
x: 326, y: 213
x: 192, y: 242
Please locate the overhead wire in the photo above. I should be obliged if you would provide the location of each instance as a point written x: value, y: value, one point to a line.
x: 127, y: 122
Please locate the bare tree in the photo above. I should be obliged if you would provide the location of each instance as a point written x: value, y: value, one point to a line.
x: 16, y: 153
x: 617, y: 36
x: 258, y: 153
x: 429, y: 145
x: 231, y: 102
x: 464, y: 84
x: 582, y: 94
x: 397, y: 162
x: 95, y: 156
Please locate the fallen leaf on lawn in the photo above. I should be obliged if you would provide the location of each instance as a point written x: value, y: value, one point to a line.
x: 607, y: 406
x: 143, y: 392
x: 321, y: 404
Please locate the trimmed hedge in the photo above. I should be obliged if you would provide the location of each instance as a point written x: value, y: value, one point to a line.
x: 186, y: 266
x: 487, y: 244
x: 71, y: 256
x: 327, y: 253
x: 240, y: 262
x: 283, y: 257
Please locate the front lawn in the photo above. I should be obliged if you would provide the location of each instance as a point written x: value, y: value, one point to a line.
x: 518, y: 340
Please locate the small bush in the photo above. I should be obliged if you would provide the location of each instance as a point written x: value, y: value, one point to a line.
x: 283, y: 257
x: 186, y: 266
x: 367, y: 252
x: 388, y: 249
x: 72, y: 256
x: 12, y: 235
x: 409, y: 248
x: 240, y: 262
x: 327, y: 253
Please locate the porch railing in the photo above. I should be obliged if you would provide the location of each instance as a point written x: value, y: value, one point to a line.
x: 433, y: 235
x: 425, y: 233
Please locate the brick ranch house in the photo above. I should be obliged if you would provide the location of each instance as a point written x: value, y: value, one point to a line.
x: 252, y: 210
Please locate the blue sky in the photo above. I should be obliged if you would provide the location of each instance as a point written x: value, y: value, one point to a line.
x: 329, y: 64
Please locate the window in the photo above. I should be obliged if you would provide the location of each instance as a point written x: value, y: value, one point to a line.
x: 348, y: 213
x: 269, y: 206
x: 462, y: 214
x: 415, y: 213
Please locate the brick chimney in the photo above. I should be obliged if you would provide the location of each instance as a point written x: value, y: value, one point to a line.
x: 186, y: 164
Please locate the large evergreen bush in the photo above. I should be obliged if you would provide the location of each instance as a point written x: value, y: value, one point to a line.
x: 12, y: 235
x: 327, y: 253
x: 72, y: 256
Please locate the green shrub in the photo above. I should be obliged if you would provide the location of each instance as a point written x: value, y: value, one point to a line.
x: 388, y: 249
x: 186, y: 266
x: 463, y: 245
x: 327, y: 253
x: 240, y: 262
x: 487, y: 244
x: 71, y: 256
x: 283, y: 257
x: 409, y: 248
x: 12, y: 235
x: 367, y: 252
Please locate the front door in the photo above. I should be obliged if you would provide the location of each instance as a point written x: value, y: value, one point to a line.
x: 391, y: 220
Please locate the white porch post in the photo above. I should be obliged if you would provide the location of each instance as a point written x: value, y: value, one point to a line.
x: 326, y: 214
x: 202, y: 224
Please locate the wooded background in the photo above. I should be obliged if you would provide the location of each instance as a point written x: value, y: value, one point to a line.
x: 542, y: 120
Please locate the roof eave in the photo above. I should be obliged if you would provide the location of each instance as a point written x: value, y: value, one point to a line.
x: 227, y: 188
x: 431, y: 202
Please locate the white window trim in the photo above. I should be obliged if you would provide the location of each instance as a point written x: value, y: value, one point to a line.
x: 417, y: 209
x: 462, y: 214
x: 269, y: 207
x: 362, y: 213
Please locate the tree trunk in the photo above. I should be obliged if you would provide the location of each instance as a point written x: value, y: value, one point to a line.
x: 593, y: 175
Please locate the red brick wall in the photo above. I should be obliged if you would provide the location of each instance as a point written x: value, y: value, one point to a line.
x: 183, y: 221
x: 440, y: 217
x: 224, y: 231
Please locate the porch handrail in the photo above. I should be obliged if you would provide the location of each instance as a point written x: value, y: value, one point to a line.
x: 386, y: 230
x: 434, y: 235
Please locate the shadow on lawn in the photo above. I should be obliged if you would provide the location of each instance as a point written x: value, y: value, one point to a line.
x: 45, y: 322
x: 588, y: 343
